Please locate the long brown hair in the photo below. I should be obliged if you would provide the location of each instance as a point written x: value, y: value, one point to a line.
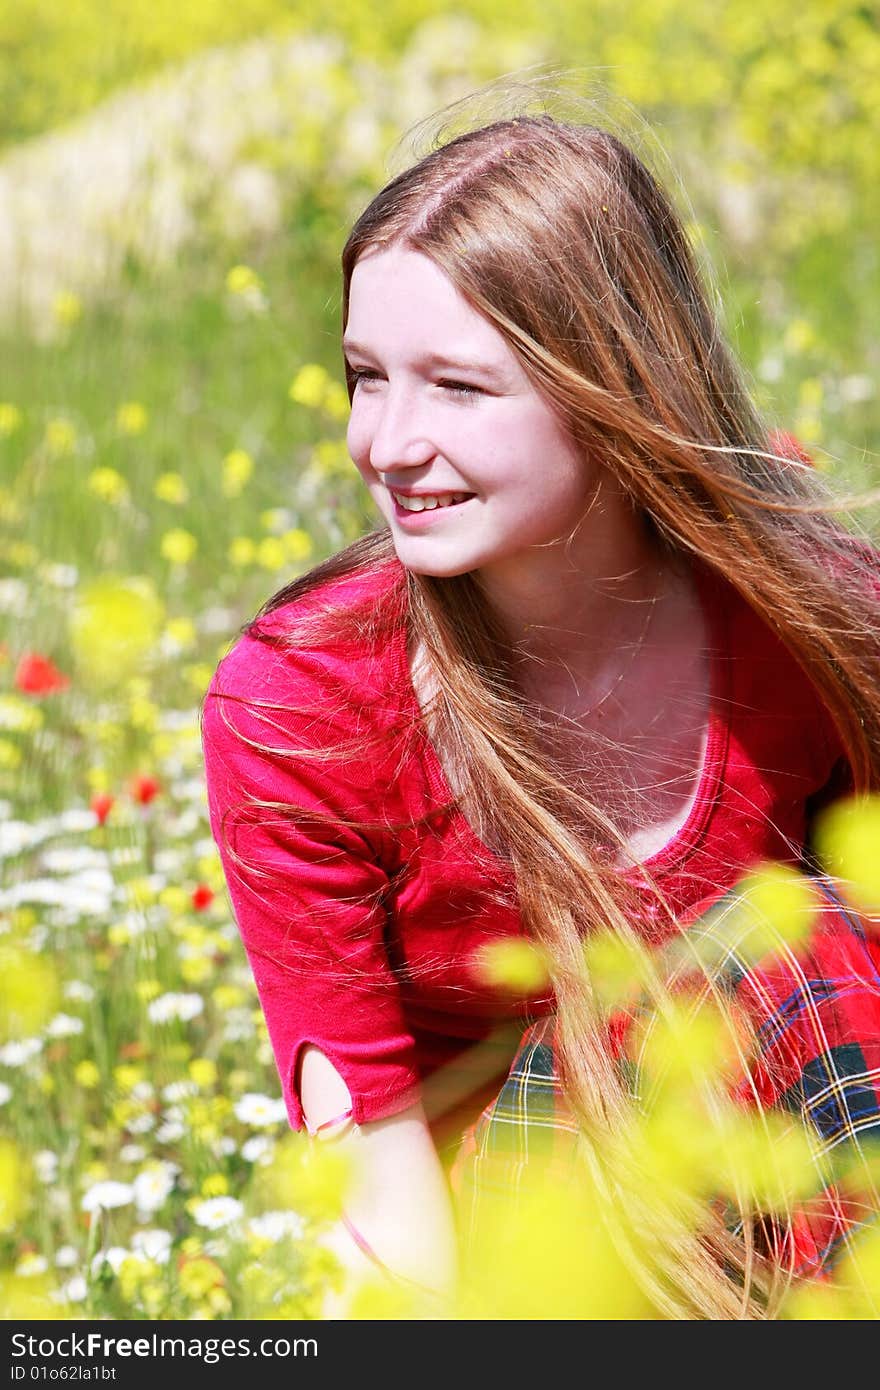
x: 561, y: 236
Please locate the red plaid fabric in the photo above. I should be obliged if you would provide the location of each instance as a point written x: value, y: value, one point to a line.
x: 816, y: 1019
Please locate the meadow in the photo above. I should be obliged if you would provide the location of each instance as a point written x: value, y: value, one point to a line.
x: 172, y: 451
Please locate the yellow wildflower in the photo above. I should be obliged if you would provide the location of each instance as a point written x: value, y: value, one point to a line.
x: 178, y: 546
x: 242, y: 551
x: 238, y: 467
x: 170, y: 487
x: 309, y: 386
x: 131, y: 418
x: 108, y: 484
x: 86, y: 1074
x: 241, y: 278
x: 298, y: 544
x: 10, y: 418
x: 67, y: 308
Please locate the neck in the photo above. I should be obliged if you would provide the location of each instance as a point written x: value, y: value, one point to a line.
x: 577, y: 604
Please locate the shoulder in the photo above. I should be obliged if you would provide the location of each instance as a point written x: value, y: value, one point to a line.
x: 336, y: 638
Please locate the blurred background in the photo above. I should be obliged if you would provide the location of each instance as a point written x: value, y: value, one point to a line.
x: 176, y: 184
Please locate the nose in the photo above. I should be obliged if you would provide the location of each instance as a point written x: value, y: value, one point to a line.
x: 398, y: 439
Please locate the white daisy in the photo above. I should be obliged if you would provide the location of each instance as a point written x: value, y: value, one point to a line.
x: 153, y: 1244
x: 215, y: 1212
x: 272, y: 1225
x: 258, y: 1110
x: 171, y: 1006
x: 105, y: 1195
x: 18, y: 1053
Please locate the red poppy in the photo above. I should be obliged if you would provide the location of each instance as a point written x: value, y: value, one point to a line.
x: 202, y: 896
x: 37, y: 675
x: 144, y: 788
x: 101, y: 803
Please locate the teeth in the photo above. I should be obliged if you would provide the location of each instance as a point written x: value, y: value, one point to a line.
x: 423, y: 504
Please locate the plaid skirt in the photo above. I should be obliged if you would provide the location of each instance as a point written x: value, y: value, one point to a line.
x: 815, y: 1017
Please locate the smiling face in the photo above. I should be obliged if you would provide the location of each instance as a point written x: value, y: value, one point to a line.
x: 442, y: 406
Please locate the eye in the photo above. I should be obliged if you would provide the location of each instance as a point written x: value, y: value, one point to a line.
x: 455, y: 388
x: 460, y: 388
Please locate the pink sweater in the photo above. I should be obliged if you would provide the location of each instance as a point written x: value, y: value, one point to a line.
x: 386, y: 990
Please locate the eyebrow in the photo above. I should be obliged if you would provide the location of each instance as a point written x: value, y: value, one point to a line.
x: 436, y: 359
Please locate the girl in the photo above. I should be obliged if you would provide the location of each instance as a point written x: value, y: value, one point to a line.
x: 607, y: 650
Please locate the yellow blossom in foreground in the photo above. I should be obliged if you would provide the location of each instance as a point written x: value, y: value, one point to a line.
x: 15, y: 1185
x: 238, y: 467
x: 114, y: 622
x: 30, y: 992
x: 847, y: 840
x: 147, y: 990
x: 131, y: 418
x: 178, y: 546
x: 107, y: 484
x: 512, y: 964
x: 309, y: 386
x: 10, y: 418
x: 67, y: 308
x: 228, y: 997
x: 170, y: 487
x: 25, y: 1300
x: 60, y: 437
x: 303, y: 1177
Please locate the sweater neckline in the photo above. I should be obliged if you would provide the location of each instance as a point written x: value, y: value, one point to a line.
x: 669, y: 857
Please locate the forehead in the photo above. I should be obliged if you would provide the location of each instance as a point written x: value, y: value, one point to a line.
x: 401, y: 301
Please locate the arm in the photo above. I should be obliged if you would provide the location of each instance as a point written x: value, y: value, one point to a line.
x: 399, y: 1204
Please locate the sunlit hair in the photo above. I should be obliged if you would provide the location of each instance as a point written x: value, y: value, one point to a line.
x: 564, y: 240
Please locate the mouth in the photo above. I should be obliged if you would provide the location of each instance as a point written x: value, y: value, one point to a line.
x: 425, y: 515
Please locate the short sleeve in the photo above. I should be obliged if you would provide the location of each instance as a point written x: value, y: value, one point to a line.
x: 309, y: 893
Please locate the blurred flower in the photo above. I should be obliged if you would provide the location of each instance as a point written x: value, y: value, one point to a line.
x: 15, y: 1184
x: 197, y: 1275
x: 153, y: 1244
x: 46, y: 1165
x: 297, y: 544
x: 86, y: 1074
x: 37, y: 675
x: 144, y: 789
x: 10, y: 418
x: 258, y: 1110
x: 64, y: 1026
x: 19, y: 1053
x: 76, y: 1289
x: 257, y: 1149
x: 170, y: 487
x: 66, y: 1256
x: 178, y: 547
x: 847, y: 837
x: 30, y: 1264
x: 238, y: 467
x: 102, y: 804
x: 309, y: 386
x: 107, y: 1195
x: 242, y: 551
x: 241, y: 278
x: 153, y: 1186
x: 203, y: 1071
x: 60, y: 437
x: 511, y: 964
x: 113, y: 1256
x: 202, y: 896
x: 216, y: 1212
x: 273, y: 1225
x: 5, y: 1093
x: 67, y: 308
x: 131, y: 418
x: 108, y: 484
x: 175, y: 1006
